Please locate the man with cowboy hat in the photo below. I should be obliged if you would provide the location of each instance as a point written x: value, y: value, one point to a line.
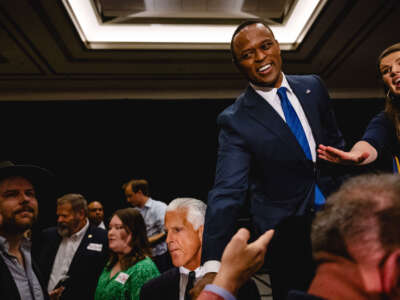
x: 19, y: 275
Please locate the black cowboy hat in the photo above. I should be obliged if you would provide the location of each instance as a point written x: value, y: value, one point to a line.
x: 35, y: 174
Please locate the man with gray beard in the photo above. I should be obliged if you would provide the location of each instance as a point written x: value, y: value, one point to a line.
x: 74, y: 253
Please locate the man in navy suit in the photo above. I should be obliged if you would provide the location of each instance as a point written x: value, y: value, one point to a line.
x: 266, y: 167
x: 74, y: 253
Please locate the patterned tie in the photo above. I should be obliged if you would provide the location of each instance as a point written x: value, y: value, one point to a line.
x: 292, y: 120
x: 189, y: 286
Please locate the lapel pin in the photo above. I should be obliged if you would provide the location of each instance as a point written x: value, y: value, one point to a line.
x: 308, y: 91
x: 90, y: 236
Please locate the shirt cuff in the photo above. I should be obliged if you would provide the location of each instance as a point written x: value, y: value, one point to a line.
x: 211, y: 266
x: 219, y: 291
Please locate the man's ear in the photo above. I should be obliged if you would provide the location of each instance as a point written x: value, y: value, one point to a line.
x: 391, y: 272
x: 200, y: 232
x: 81, y: 213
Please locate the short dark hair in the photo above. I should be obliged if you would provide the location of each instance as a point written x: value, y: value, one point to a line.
x: 133, y: 223
x: 365, y: 210
x: 240, y: 27
x: 138, y: 185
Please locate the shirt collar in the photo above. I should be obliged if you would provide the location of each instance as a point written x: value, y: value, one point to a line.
x: 268, y: 91
x: 80, y: 233
x: 4, y: 246
x: 148, y: 203
x: 199, y: 271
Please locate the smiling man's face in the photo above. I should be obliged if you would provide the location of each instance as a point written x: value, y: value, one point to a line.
x: 258, y: 55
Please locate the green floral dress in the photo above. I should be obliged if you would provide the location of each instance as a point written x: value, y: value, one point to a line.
x: 125, y: 284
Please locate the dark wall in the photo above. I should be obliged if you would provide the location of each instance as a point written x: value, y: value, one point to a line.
x: 93, y: 147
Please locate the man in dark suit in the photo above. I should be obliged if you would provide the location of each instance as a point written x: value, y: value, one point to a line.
x: 184, y: 221
x: 267, y: 164
x: 20, y: 278
x: 74, y: 253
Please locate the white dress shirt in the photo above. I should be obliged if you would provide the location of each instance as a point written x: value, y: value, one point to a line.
x: 270, y: 95
x: 184, y: 277
x: 102, y: 225
x: 65, y: 254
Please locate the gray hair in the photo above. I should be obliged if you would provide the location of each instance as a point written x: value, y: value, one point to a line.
x: 77, y: 201
x: 196, y: 210
x: 365, y: 212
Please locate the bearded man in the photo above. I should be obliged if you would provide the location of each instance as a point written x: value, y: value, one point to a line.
x: 19, y: 275
x: 74, y: 253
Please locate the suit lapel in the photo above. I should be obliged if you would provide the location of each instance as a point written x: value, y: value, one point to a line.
x: 264, y: 113
x: 82, y: 248
x: 177, y: 279
x: 48, y: 257
x: 305, y: 95
x: 39, y: 276
x: 7, y: 285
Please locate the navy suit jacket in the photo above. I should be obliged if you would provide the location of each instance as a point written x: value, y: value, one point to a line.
x: 261, y: 167
x: 86, y: 265
x: 166, y: 286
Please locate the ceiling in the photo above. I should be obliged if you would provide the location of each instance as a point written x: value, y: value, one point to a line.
x: 191, y: 11
x: 42, y: 57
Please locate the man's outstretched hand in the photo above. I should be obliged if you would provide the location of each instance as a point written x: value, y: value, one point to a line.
x: 241, y: 260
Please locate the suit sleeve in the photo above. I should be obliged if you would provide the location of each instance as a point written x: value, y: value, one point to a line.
x: 331, y: 176
x: 229, y: 192
x: 380, y: 132
x: 214, y: 292
x: 331, y: 132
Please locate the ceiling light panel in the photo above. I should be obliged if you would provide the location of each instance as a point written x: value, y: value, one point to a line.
x: 97, y: 34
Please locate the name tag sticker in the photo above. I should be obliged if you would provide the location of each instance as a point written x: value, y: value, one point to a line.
x: 95, y: 247
x: 122, y: 277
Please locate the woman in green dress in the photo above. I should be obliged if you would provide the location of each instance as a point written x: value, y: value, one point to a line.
x: 130, y: 265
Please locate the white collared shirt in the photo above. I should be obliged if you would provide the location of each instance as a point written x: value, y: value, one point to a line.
x: 184, y: 277
x: 102, y: 225
x: 270, y: 95
x: 65, y: 254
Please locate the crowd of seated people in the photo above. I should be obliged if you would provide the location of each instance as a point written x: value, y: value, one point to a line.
x: 356, y: 246
x: 78, y: 259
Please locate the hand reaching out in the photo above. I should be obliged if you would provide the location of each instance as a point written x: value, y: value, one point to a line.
x: 241, y: 260
x: 56, y: 293
x: 338, y: 156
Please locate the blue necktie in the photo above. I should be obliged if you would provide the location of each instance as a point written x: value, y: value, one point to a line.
x: 292, y: 120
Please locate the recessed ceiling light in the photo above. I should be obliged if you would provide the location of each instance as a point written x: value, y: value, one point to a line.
x: 98, y: 35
